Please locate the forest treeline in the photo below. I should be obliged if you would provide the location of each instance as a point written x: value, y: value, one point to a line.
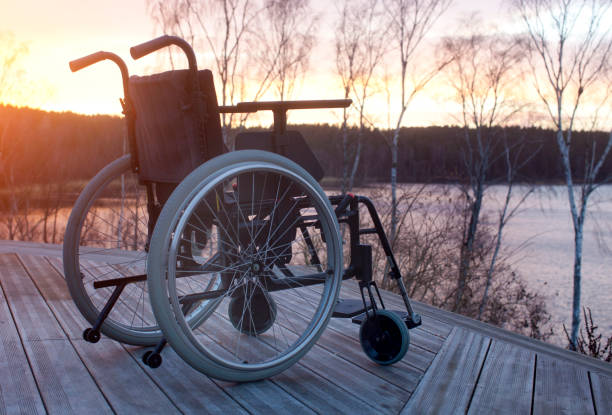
x: 39, y: 146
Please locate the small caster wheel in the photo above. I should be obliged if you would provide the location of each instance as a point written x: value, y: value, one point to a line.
x: 153, y: 360
x: 255, y: 315
x: 91, y: 335
x: 384, y: 337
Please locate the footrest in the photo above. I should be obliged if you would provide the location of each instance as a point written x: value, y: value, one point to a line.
x: 410, y: 322
x: 349, y: 308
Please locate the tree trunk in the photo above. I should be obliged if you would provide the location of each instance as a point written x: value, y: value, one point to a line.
x: 578, y: 222
x: 355, y: 162
x: 467, y: 249
x: 344, y: 152
x: 394, y: 187
x: 577, y: 281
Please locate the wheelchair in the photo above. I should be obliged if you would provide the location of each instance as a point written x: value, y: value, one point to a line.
x: 235, y: 259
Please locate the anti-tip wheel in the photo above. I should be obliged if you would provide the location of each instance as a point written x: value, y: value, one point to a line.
x: 90, y: 335
x: 384, y: 337
x: 153, y: 360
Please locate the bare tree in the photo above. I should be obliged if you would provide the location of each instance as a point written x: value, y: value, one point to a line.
x: 348, y: 39
x: 222, y: 26
x: 285, y: 42
x: 430, y: 230
x: 570, y: 48
x: 408, y: 22
x: 360, y: 47
x: 483, y: 72
x: 15, y: 200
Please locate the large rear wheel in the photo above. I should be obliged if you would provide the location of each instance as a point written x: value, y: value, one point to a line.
x: 250, y: 243
x: 105, y: 240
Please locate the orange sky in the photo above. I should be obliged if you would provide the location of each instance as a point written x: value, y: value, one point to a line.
x: 60, y: 30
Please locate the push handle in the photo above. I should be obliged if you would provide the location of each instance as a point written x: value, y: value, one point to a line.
x: 85, y: 61
x: 151, y: 46
x: 78, y: 64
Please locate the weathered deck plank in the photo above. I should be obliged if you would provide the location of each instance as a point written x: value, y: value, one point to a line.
x: 351, y: 381
x: 506, y: 382
x: 452, y: 371
x: 561, y: 388
x: 109, y: 363
x: 602, y: 392
x: 33, y: 318
x: 251, y: 400
x: 342, y: 339
x: 53, y: 288
x: 448, y: 385
x: 64, y: 382
x: 18, y: 390
x: 190, y: 389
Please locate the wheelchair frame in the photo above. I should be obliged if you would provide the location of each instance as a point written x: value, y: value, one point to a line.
x: 370, y: 312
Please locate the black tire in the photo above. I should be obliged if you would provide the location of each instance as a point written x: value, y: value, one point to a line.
x: 153, y: 360
x: 384, y: 337
x: 248, y: 203
x: 91, y: 336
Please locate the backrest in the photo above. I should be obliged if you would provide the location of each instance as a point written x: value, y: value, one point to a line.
x: 167, y: 127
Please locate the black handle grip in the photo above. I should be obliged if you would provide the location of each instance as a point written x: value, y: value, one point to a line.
x: 143, y: 49
x: 85, y: 61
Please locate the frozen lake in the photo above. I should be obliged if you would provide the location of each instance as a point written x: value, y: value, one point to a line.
x: 546, y: 262
x: 541, y: 238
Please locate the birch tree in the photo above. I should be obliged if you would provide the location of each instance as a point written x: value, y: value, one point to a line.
x: 222, y: 28
x: 360, y: 47
x: 483, y: 72
x: 285, y: 40
x: 409, y: 21
x: 570, y: 47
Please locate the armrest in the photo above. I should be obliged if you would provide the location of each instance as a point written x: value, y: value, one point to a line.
x: 292, y: 105
x: 280, y: 108
x: 225, y: 109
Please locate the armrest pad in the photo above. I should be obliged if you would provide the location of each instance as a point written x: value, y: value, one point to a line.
x: 225, y: 109
x: 292, y: 105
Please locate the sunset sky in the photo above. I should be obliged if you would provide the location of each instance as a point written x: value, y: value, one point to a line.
x: 59, y: 31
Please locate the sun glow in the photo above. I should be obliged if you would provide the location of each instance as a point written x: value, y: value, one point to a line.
x: 57, y: 32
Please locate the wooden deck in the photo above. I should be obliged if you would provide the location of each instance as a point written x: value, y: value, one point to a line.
x: 454, y: 365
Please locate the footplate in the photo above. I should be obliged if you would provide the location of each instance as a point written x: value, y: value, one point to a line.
x: 411, y: 323
x: 346, y: 308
